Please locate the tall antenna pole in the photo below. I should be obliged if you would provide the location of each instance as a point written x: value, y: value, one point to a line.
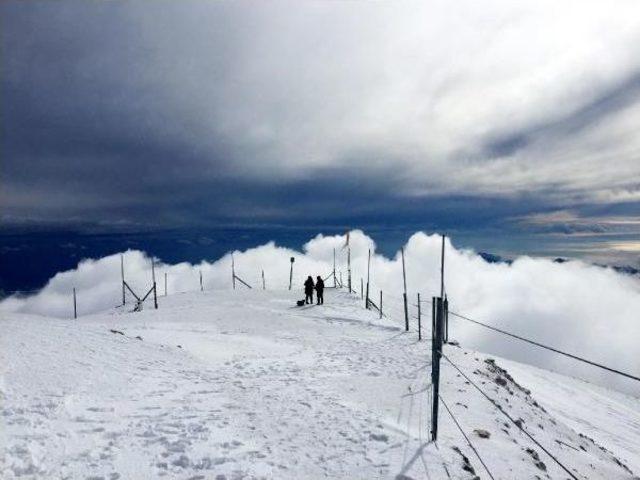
x: 124, y: 297
x: 442, y: 270
x: 404, y: 296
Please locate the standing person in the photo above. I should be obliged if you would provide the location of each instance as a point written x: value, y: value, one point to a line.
x: 320, y: 290
x: 308, y: 290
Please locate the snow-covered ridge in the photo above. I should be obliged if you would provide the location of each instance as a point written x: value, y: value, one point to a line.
x: 243, y: 384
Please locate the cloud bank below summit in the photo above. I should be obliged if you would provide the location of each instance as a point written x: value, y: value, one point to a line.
x: 574, y: 306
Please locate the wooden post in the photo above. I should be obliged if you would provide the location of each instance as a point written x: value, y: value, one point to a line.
x: 380, y: 303
x: 263, y: 284
x: 124, y: 297
x: 442, y: 270
x: 233, y: 271
x: 419, y: 319
x: 165, y: 284
x: 366, y: 303
x: 404, y: 295
x: 75, y: 308
x: 153, y: 278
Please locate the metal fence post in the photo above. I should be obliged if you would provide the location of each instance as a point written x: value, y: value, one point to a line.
x: 366, y: 303
x: 442, y: 270
x: 433, y: 317
x: 419, y: 319
x: 233, y: 272
x: 380, y: 303
x: 446, y: 320
x: 349, y: 264
x: 404, y: 295
x: 436, y: 353
x: 155, y: 296
x: 335, y: 280
x: 153, y: 278
x: 291, y: 272
x: 124, y: 297
x: 75, y: 308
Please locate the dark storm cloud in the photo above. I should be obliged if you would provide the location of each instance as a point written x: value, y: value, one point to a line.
x: 201, y: 113
x: 85, y: 134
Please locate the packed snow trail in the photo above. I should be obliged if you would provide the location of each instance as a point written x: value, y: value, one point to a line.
x: 243, y: 384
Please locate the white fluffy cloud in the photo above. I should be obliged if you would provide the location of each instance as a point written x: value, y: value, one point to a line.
x: 584, y: 309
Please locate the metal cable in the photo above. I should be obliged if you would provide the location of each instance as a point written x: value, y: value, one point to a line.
x: 537, y: 344
x: 504, y: 412
x: 465, y: 436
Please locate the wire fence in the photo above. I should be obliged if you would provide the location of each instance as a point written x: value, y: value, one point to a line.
x: 393, y: 307
x: 518, y: 424
x: 438, y: 343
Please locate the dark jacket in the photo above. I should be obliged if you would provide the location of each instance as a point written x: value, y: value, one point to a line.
x: 319, y: 285
x: 308, y: 285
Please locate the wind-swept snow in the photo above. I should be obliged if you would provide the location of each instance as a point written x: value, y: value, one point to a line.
x: 243, y: 384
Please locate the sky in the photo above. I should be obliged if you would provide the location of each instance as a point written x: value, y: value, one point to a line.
x: 505, y: 120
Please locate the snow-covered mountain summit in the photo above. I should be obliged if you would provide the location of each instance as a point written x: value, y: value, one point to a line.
x: 243, y: 384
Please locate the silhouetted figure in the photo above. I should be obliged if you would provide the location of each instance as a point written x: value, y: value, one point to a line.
x: 320, y: 290
x: 308, y: 290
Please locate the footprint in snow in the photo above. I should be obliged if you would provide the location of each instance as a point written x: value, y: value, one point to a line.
x: 379, y: 437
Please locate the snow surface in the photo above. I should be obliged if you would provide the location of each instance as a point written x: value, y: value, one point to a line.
x: 243, y: 384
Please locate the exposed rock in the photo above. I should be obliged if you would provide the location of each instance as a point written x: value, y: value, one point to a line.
x: 536, y: 459
x: 482, y: 433
x: 466, y: 464
x: 501, y: 381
